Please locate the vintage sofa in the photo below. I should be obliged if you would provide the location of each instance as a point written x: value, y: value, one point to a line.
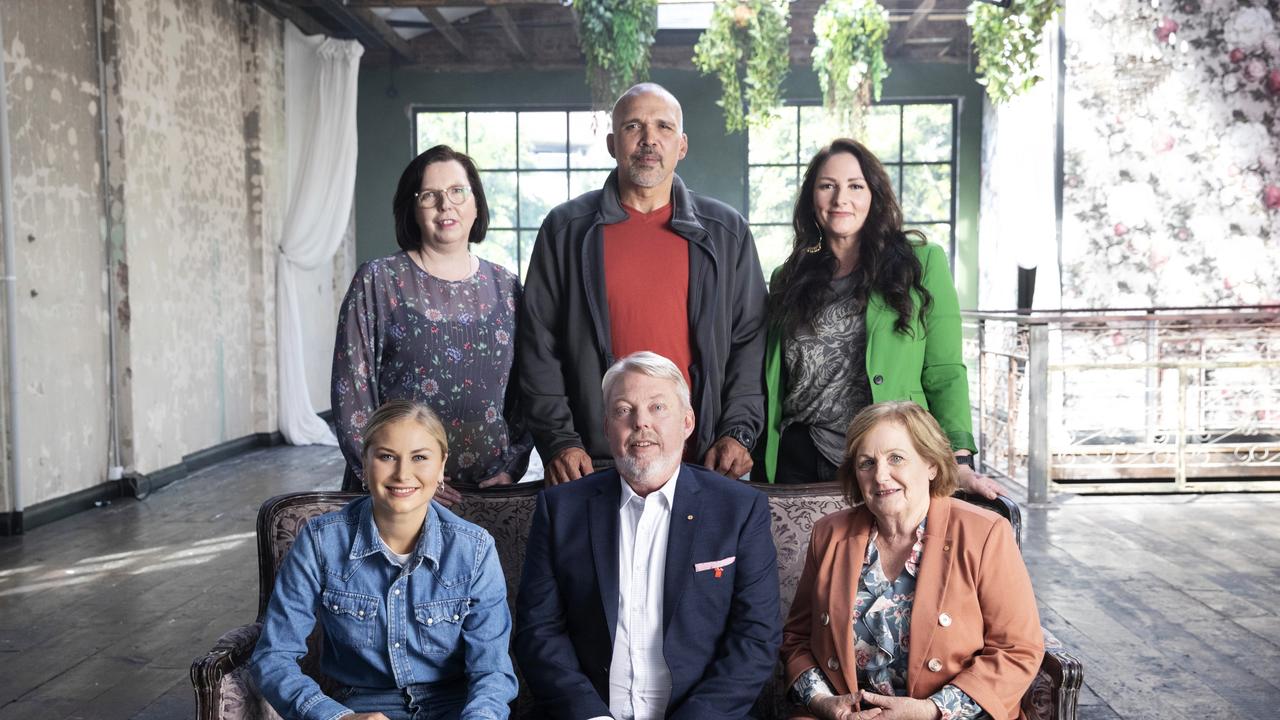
x: 220, y: 678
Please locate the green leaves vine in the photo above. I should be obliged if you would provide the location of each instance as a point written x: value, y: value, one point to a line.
x: 616, y: 36
x: 849, y: 57
x: 1007, y: 43
x: 747, y: 45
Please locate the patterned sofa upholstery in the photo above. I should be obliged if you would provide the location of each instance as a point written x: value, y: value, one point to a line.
x: 224, y: 692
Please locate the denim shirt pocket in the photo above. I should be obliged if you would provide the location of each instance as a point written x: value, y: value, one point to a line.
x: 350, y: 617
x: 440, y: 624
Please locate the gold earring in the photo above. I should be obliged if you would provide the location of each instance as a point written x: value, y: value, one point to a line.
x: 816, y: 247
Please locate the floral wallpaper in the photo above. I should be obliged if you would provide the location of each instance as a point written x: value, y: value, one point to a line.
x: 1172, y: 167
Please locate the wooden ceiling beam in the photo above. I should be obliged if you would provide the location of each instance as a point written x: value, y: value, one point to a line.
x: 904, y: 31
x: 388, y: 34
x: 509, y: 27
x: 296, y: 15
x: 446, y: 29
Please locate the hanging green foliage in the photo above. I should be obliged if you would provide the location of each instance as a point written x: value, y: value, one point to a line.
x: 1007, y: 42
x: 747, y: 43
x: 849, y: 57
x: 616, y: 36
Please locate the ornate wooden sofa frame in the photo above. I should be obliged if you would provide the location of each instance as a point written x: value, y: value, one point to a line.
x: 224, y: 692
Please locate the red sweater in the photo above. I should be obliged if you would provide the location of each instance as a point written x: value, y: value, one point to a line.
x: 646, y: 270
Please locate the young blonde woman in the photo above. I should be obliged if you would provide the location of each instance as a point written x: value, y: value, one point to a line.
x: 411, y: 598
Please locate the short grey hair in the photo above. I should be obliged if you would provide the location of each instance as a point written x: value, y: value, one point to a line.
x: 651, y: 364
x: 647, y: 88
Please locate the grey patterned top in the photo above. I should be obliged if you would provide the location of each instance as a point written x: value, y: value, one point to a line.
x: 827, y: 371
x: 406, y: 334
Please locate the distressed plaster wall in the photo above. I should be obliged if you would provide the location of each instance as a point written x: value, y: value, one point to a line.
x: 185, y: 210
x: 262, y: 89
x: 54, y: 106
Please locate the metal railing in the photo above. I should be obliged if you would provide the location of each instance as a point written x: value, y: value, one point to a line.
x: 1145, y: 400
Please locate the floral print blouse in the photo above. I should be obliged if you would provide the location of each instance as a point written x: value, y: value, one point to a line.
x: 406, y: 334
x: 882, y: 634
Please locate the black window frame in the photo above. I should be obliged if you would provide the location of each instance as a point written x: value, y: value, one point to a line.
x: 893, y: 168
x: 418, y: 110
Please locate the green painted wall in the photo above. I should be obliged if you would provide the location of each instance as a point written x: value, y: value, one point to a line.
x: 716, y: 164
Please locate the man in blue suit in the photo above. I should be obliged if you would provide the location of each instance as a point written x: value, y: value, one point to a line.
x: 649, y: 590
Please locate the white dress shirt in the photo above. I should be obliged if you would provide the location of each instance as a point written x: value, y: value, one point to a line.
x: 639, y: 680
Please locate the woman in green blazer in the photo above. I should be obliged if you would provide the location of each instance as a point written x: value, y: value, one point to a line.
x: 861, y: 312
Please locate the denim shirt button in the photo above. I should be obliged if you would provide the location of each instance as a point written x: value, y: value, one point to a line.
x: 397, y: 645
x: 431, y: 621
x: 455, y: 618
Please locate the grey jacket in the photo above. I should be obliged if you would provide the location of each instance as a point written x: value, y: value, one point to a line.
x: 564, y: 338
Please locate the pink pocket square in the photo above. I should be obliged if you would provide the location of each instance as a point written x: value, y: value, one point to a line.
x: 714, y: 565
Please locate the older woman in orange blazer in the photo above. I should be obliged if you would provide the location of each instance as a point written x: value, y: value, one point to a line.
x: 911, y: 604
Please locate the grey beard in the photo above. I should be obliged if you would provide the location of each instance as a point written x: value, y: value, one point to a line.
x: 637, y: 473
x: 645, y: 177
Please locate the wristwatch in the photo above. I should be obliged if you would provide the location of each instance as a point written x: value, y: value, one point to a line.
x: 965, y: 460
x: 742, y: 435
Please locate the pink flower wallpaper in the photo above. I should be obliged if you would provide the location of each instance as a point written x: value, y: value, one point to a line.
x: 1172, y: 167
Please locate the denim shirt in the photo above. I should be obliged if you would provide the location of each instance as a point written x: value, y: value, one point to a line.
x: 443, y: 616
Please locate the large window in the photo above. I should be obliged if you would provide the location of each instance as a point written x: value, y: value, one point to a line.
x: 914, y: 140
x: 529, y: 163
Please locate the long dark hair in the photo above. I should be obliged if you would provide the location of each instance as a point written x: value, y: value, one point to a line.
x: 405, y: 206
x: 886, y: 262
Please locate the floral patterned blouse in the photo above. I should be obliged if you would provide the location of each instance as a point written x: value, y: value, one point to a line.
x: 406, y: 334
x: 882, y: 634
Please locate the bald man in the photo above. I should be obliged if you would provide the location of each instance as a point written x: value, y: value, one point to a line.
x: 643, y: 264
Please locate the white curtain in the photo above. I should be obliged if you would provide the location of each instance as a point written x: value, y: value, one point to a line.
x: 320, y: 119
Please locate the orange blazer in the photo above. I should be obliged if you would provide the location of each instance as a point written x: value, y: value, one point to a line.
x: 974, y: 622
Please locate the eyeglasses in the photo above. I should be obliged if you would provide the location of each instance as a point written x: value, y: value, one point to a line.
x: 431, y: 198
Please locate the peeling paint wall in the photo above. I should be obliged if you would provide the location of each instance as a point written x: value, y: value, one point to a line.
x: 51, y: 68
x: 185, y: 213
x: 194, y: 106
x: 262, y: 88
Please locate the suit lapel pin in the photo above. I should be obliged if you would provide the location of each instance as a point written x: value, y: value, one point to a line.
x: 690, y: 517
x: 719, y: 571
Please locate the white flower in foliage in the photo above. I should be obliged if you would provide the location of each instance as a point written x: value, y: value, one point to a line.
x: 1249, y: 28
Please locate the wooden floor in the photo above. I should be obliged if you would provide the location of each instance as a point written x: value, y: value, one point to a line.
x: 1170, y: 602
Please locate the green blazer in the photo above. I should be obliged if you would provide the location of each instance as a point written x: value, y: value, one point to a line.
x: 925, y: 366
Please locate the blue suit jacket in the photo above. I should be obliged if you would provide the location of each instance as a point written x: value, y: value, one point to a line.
x: 720, y: 634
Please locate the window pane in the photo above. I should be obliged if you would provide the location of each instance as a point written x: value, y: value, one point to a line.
x: 926, y: 193
x: 776, y: 143
x: 442, y: 129
x: 772, y: 194
x: 773, y: 242
x: 817, y: 130
x: 587, y: 148
x: 927, y: 133
x: 539, y: 192
x: 542, y: 140
x: 500, y: 191
x: 937, y: 233
x: 586, y: 181
x: 882, y: 132
x: 493, y: 140
x: 499, y: 247
x: 895, y: 176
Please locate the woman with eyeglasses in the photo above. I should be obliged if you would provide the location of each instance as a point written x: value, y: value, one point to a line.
x: 435, y: 324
